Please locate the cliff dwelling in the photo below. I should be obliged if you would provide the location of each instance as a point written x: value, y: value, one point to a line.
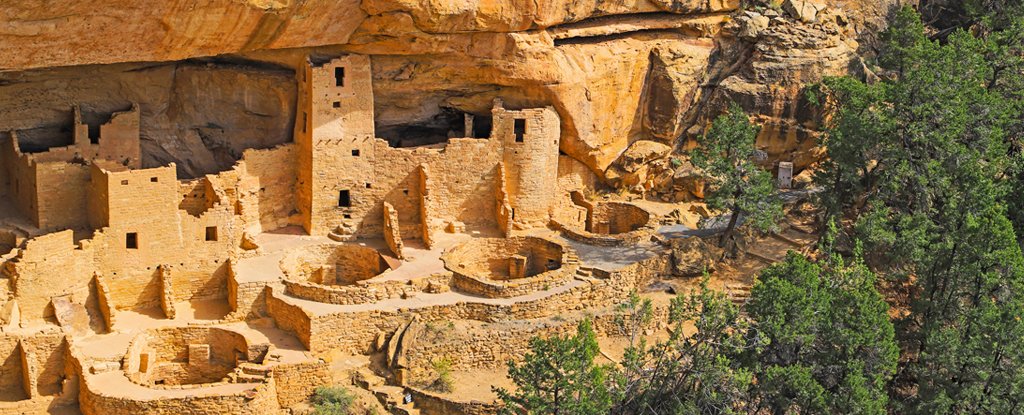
x: 199, y: 229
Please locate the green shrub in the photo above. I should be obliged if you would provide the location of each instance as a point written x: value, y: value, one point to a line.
x: 332, y: 400
x: 443, y: 381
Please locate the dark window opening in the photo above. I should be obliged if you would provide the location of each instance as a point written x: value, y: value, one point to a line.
x: 355, y: 153
x: 344, y: 199
x: 368, y: 186
x: 339, y: 76
x: 448, y: 123
x: 337, y: 104
x: 347, y: 216
x: 519, y: 128
x: 94, y: 133
x: 124, y: 182
x: 405, y: 191
x: 211, y: 233
x: 305, y: 120
x: 154, y: 179
x: 131, y: 240
x: 482, y: 126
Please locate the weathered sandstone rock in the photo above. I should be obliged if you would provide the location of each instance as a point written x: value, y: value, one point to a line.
x: 691, y: 257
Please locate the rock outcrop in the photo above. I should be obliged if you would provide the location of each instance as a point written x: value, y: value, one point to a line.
x: 617, y: 72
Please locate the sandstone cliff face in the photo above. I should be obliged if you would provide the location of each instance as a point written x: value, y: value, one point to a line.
x: 617, y: 71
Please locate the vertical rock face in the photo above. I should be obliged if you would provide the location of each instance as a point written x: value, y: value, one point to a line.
x: 617, y: 71
x: 673, y: 84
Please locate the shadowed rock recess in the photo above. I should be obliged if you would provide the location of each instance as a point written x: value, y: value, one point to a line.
x: 218, y: 206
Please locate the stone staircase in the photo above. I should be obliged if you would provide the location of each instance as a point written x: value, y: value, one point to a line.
x: 249, y: 373
x: 342, y: 233
x: 391, y: 397
x: 737, y: 293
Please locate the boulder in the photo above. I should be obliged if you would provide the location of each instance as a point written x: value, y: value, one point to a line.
x: 752, y: 24
x: 804, y: 10
x: 640, y: 153
x: 691, y: 257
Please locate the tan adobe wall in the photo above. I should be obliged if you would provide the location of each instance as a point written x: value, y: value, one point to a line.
x: 33, y: 279
x: 247, y: 299
x: 291, y: 317
x: 362, y: 293
x: 573, y: 177
x: 12, y: 379
x: 164, y: 236
x: 296, y: 382
x: 61, y: 201
x: 50, y: 193
x: 32, y: 366
x: 613, y: 218
x: 261, y: 399
x: 355, y: 332
x: 503, y: 207
x: 276, y: 173
x: 21, y: 178
x: 193, y: 196
x: 392, y: 231
x: 104, y: 303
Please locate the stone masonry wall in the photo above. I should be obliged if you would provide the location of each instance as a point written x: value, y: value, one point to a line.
x: 355, y: 332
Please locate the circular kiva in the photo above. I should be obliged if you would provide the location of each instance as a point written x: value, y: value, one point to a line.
x: 339, y: 274
x: 510, y: 267
x: 609, y: 224
x: 188, y: 356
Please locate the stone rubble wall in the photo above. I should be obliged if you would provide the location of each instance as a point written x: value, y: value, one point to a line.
x: 356, y: 294
x: 296, y: 382
x: 430, y: 403
x: 355, y: 332
x: 261, y: 399
x: 392, y: 231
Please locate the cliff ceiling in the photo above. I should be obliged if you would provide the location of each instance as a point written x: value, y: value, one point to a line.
x: 216, y: 76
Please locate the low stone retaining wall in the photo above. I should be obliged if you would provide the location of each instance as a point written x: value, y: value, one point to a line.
x: 360, y: 293
x: 355, y: 332
x: 435, y: 404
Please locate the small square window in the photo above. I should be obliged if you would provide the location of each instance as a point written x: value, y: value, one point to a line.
x: 154, y: 179
x: 211, y: 233
x: 131, y: 240
x: 124, y: 182
x: 405, y: 191
x: 368, y: 186
x: 347, y: 216
x: 355, y: 152
x: 337, y: 104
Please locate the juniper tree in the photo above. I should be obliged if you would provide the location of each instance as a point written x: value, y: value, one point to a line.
x: 733, y: 179
x: 558, y: 376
